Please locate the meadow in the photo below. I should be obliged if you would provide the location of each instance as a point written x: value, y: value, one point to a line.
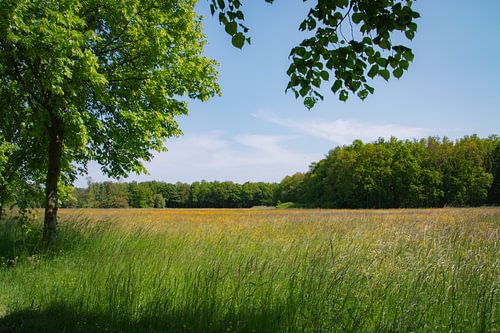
x: 254, y: 270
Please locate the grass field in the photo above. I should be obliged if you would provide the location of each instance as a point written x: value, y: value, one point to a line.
x: 255, y: 271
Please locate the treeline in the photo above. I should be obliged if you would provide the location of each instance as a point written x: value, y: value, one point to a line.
x: 399, y: 174
x: 391, y: 173
x: 180, y: 195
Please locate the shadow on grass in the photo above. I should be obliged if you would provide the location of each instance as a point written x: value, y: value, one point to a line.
x: 20, y: 239
x: 61, y: 318
x: 17, y: 239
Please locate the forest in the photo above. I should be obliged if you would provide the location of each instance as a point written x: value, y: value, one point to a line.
x: 392, y: 173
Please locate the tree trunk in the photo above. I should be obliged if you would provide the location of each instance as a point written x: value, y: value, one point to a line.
x: 55, y: 147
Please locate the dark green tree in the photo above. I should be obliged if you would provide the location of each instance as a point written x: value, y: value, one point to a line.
x: 494, y: 192
x: 291, y: 188
x: 392, y: 174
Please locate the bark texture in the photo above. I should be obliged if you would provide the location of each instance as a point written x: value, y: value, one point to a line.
x: 55, y: 149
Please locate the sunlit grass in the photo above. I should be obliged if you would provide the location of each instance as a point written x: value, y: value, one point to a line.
x: 258, y: 271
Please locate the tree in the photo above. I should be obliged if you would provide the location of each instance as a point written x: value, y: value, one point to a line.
x: 250, y: 195
x: 351, y: 39
x: 494, y: 193
x: 159, y: 201
x: 291, y: 188
x: 97, y: 80
x: 140, y: 195
x: 467, y: 172
x: 5, y: 150
x: 181, y: 194
x: 112, y: 195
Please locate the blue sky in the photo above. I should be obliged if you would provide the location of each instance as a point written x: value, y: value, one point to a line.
x: 256, y: 132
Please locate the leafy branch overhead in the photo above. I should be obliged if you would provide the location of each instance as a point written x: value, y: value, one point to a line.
x: 351, y: 41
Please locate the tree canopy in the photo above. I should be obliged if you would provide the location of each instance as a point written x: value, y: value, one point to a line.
x: 110, y: 72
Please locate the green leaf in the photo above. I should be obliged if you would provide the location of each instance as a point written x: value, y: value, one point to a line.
x: 355, y: 85
x: 409, y: 55
x: 309, y: 102
x: 311, y: 24
x: 303, y: 26
x: 302, y: 68
x: 222, y: 18
x: 336, y: 85
x: 385, y: 74
x: 238, y: 40
x: 231, y: 28
x: 373, y: 71
x: 344, y: 95
x: 363, y: 94
x: 303, y: 91
x: 357, y: 17
x: 299, y: 50
x: 384, y: 44
x: 398, y: 72
x: 393, y: 62
x: 369, y: 88
x: 324, y: 75
x: 382, y: 62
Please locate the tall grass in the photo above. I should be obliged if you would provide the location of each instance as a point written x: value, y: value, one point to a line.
x: 257, y: 271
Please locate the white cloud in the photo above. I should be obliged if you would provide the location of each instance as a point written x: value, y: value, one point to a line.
x: 343, y: 131
x: 215, y: 156
x: 213, y: 151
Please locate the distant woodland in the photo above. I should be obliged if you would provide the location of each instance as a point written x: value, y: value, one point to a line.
x: 391, y: 173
